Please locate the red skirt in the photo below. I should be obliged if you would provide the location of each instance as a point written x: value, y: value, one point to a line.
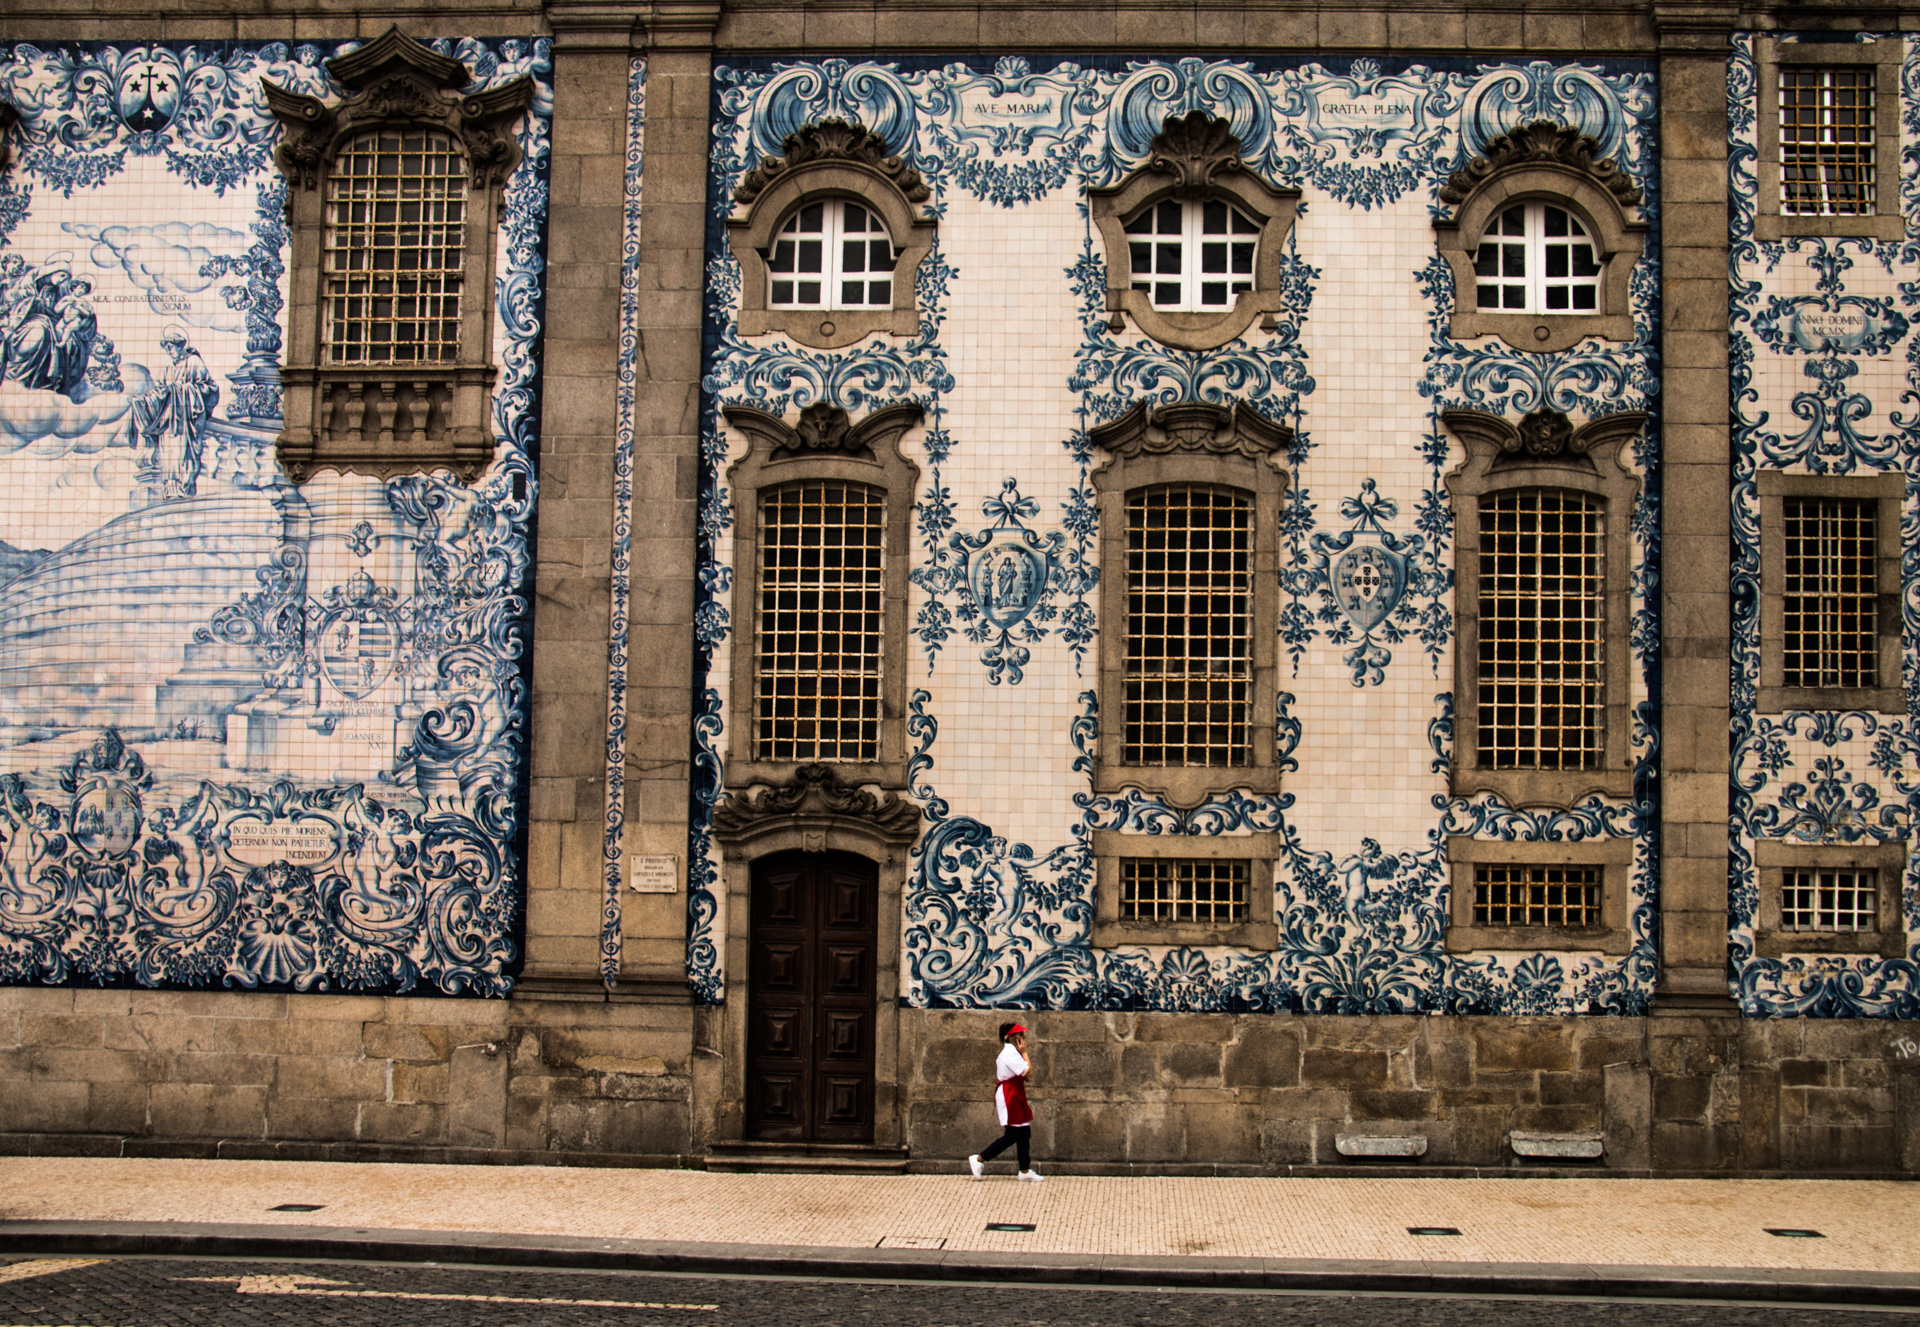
x: 1013, y: 1092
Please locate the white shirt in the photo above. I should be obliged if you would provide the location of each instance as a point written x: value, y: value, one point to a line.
x: 1011, y: 1064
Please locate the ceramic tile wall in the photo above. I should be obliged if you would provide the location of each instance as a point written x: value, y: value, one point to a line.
x: 251, y: 735
x: 1808, y: 403
x: 1015, y: 362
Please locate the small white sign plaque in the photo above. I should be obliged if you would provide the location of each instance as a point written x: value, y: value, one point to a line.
x: 656, y: 875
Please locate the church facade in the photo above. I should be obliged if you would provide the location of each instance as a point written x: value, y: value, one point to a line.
x: 617, y: 583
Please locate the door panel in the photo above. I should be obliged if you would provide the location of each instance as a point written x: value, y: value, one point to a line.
x: 810, y: 1003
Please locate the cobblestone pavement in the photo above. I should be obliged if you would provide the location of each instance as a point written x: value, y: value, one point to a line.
x: 1867, y: 1225
x: 181, y: 1292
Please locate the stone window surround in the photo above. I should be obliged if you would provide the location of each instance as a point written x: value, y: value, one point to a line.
x: 393, y: 82
x: 1888, y: 222
x: 1614, y: 857
x: 1260, y: 931
x: 832, y: 159
x: 1194, y: 158
x: 864, y: 453
x: 1543, y: 163
x: 1189, y: 444
x: 1773, y: 857
x: 1497, y: 461
x: 1889, y: 492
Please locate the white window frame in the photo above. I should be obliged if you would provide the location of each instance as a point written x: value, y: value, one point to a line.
x: 1193, y: 241
x: 1534, y: 243
x: 833, y: 240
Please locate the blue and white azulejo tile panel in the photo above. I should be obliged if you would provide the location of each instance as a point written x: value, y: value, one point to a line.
x: 1015, y: 362
x: 251, y: 735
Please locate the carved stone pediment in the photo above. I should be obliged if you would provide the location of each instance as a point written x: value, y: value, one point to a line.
x: 824, y: 430
x: 1193, y: 426
x: 397, y: 80
x: 816, y: 795
x: 1544, y: 437
x: 829, y: 142
x: 1542, y: 143
x: 1196, y: 148
x: 8, y: 118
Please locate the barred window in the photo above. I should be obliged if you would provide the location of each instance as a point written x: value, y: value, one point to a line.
x: 1826, y: 142
x: 1194, y: 255
x: 395, y: 227
x: 1522, y: 895
x: 1537, y: 258
x: 1541, y: 614
x: 822, y: 553
x: 1178, y: 889
x: 1823, y: 900
x: 1832, y: 631
x: 1189, y: 619
x: 833, y: 254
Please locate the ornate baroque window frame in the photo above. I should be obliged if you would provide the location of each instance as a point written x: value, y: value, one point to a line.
x: 1545, y: 162
x: 1190, y: 443
x: 825, y: 445
x: 1194, y: 157
x: 1888, y: 494
x: 1544, y: 452
x: 1888, y: 222
x: 831, y: 159
x: 394, y: 418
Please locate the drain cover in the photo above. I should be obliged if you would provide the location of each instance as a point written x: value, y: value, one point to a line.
x: 1433, y: 1230
x: 297, y: 1207
x: 1009, y: 1225
x: 1789, y: 1233
x: 912, y: 1242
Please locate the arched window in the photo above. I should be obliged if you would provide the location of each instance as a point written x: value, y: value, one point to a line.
x: 834, y: 253
x: 1537, y: 258
x: 395, y: 249
x: 1192, y: 255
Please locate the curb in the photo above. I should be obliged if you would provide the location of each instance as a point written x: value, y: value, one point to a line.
x: 189, y: 1239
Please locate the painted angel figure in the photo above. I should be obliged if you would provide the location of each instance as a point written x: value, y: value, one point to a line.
x: 172, y: 415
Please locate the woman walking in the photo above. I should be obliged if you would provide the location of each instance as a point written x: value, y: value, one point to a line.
x: 1010, y: 1100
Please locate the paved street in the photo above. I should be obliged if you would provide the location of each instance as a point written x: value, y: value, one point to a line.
x: 170, y: 1292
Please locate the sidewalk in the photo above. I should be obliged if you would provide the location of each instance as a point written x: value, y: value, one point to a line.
x: 1672, y: 1238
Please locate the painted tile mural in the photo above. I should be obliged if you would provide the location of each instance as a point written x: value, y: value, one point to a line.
x: 1825, y: 373
x: 251, y: 735
x: 1014, y: 364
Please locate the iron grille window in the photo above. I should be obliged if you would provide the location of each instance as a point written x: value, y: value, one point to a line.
x: 1826, y: 142
x: 1167, y: 889
x: 396, y: 224
x: 1542, y: 606
x: 1831, y: 621
x: 1536, y: 895
x: 819, y: 630
x: 1189, y: 626
x: 1537, y: 258
x: 1826, y: 900
x: 1194, y: 255
x: 834, y: 254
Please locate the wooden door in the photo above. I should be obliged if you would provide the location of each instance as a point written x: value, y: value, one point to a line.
x: 810, y: 998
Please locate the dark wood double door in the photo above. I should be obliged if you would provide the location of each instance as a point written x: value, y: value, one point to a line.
x: 810, y: 998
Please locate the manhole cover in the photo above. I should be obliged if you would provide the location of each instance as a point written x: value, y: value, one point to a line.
x: 1433, y: 1230
x: 1789, y: 1233
x: 1009, y: 1225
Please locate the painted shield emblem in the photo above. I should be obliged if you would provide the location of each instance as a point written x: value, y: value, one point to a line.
x: 106, y: 820
x: 1368, y: 581
x: 1007, y: 579
x: 148, y: 95
x: 357, y: 648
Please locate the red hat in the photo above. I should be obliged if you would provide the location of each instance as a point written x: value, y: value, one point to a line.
x: 1015, y: 1030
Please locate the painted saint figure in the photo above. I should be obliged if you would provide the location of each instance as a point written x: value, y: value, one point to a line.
x: 74, y: 331
x: 172, y: 415
x: 32, y: 343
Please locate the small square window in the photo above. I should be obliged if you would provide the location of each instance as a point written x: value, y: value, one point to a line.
x: 1829, y: 900
x: 1183, y: 889
x: 1519, y: 895
x: 1828, y: 137
x: 1539, y: 896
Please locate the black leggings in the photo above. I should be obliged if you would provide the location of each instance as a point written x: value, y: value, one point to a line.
x: 1017, y: 1136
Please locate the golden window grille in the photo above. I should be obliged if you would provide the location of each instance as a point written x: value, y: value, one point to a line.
x: 1522, y: 895
x: 1189, y: 626
x: 1541, y: 615
x: 1170, y: 889
x: 1826, y: 142
x: 1830, y: 617
x: 395, y: 251
x: 1828, y: 900
x: 819, y: 637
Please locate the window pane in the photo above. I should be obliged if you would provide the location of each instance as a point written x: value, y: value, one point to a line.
x: 395, y: 249
x: 1829, y: 593
x: 1826, y: 142
x: 1183, y: 890
x: 1521, y: 895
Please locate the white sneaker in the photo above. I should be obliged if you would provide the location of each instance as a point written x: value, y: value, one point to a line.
x: 1033, y: 1175
x: 978, y: 1167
